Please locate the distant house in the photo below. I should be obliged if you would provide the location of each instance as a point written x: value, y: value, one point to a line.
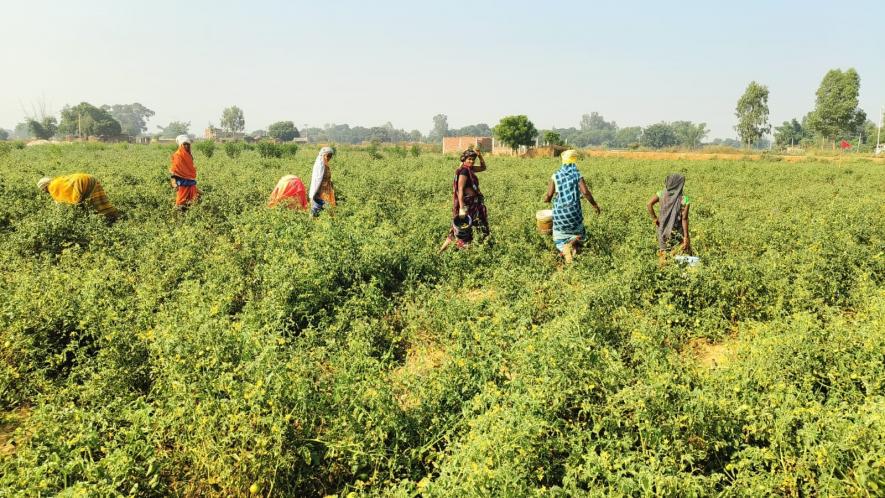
x: 458, y: 144
x: 219, y: 135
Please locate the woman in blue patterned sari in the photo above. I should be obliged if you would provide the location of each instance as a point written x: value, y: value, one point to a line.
x: 568, y: 186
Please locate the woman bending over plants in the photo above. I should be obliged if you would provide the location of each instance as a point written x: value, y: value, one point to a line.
x: 672, y: 225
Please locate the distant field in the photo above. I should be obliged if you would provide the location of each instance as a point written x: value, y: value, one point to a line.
x: 237, y: 349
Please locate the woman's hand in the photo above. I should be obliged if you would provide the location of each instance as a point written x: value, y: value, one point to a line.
x: 657, y: 222
x: 686, y: 247
x: 596, y: 208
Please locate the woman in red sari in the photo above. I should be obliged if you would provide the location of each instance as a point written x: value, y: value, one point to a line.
x: 467, y: 199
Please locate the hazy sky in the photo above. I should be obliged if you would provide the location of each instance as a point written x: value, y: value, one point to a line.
x: 365, y: 63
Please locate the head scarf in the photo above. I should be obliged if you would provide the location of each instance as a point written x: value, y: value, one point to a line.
x: 43, y: 183
x: 569, y: 157
x: 183, y: 139
x: 671, y: 206
x: 467, y: 154
x: 319, y: 169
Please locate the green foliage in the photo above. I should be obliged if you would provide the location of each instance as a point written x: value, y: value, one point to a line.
x: 205, y: 147
x: 836, y: 113
x: 234, y: 348
x: 174, y: 129
x: 283, y: 131
x: 43, y: 129
x: 515, y: 131
x: 752, y: 114
x: 440, y: 128
x: 22, y: 131
x: 415, y: 150
x: 268, y: 150
x: 132, y: 117
x: 86, y: 120
x: 233, y: 149
x: 789, y: 133
x: 232, y: 120
x: 289, y: 150
x: 553, y: 138
x: 688, y: 134
x: 374, y: 150
x: 658, y: 136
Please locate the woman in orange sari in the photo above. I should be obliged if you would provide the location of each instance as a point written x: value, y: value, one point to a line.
x: 289, y: 192
x: 184, y: 174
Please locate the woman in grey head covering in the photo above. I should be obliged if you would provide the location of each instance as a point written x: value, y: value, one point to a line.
x: 672, y: 225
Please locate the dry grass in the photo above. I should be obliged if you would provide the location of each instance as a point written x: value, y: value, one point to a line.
x: 423, y: 356
x: 9, y: 422
x: 710, y: 355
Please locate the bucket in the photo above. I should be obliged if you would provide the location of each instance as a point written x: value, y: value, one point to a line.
x: 688, y: 260
x: 544, y: 219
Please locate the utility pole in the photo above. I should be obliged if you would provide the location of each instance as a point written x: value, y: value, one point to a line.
x: 80, y: 126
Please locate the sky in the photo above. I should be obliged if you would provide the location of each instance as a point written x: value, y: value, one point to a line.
x: 367, y: 63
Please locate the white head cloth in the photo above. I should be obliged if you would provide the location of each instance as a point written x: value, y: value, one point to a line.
x: 319, y: 169
x: 183, y: 139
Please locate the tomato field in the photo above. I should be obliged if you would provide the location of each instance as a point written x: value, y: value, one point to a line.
x: 235, y: 349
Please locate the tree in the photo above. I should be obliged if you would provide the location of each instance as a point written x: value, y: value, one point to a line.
x: 595, y: 130
x: 477, y: 130
x: 43, y: 129
x: 594, y: 121
x: 283, y: 131
x: 87, y: 120
x: 658, y: 136
x: 515, y: 131
x: 835, y: 113
x: 689, y: 134
x: 789, y: 133
x: 232, y: 120
x: 22, y: 131
x: 752, y: 114
x: 174, y: 129
x: 553, y: 138
x: 4, y: 134
x: 132, y: 117
x: 628, y: 137
x: 440, y: 128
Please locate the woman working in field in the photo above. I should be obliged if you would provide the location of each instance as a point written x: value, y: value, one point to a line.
x: 322, y: 191
x: 672, y: 226
x: 79, y: 189
x: 184, y: 174
x: 467, y: 200
x: 568, y: 186
x: 289, y: 193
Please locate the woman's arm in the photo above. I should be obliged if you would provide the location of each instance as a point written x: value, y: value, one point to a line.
x: 588, y: 195
x: 462, y: 182
x: 482, y: 162
x: 651, y: 208
x: 686, y: 239
x: 551, y: 190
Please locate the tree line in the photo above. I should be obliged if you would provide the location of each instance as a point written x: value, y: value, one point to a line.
x: 836, y: 116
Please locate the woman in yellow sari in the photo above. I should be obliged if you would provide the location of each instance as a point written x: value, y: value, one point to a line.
x: 79, y: 189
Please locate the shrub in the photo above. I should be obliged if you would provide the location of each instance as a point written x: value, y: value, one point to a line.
x: 206, y: 147
x: 233, y: 149
x: 269, y: 149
